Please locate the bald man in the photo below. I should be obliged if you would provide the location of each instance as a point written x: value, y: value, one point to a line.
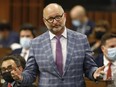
x: 80, y: 21
x: 59, y: 56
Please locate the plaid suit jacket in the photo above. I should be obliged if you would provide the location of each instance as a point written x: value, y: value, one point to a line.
x: 79, y: 62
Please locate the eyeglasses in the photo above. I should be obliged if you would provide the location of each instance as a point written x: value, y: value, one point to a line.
x: 57, y: 18
x: 3, y: 69
x: 8, y: 69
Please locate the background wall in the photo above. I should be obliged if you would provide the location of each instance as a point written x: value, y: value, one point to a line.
x: 30, y: 11
x: 21, y: 11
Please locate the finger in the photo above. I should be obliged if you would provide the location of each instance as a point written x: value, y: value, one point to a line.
x: 101, y: 68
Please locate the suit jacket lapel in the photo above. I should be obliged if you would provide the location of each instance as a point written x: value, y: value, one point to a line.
x: 49, y: 53
x: 70, y: 48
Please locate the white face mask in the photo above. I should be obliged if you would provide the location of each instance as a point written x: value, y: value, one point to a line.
x: 76, y: 23
x: 112, y: 54
x: 25, y: 42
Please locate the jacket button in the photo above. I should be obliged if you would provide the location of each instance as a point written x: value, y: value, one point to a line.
x: 62, y: 79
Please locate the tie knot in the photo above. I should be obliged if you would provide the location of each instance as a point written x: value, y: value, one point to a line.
x: 110, y: 63
x: 58, y: 37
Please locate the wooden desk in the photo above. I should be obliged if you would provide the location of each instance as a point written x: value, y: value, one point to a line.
x: 4, y: 52
x: 90, y: 83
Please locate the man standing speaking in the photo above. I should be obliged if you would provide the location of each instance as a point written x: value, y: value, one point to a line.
x: 60, y: 56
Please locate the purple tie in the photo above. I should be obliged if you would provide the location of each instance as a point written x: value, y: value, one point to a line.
x: 59, y: 56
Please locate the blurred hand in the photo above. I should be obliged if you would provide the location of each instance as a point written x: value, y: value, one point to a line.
x: 16, y: 74
x: 99, y: 72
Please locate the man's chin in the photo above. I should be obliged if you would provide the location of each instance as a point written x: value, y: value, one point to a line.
x: 56, y: 29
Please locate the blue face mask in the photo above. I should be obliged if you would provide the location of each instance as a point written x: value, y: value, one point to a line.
x: 25, y: 42
x: 112, y: 54
x: 76, y: 23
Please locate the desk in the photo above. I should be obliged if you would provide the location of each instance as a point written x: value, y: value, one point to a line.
x: 90, y: 83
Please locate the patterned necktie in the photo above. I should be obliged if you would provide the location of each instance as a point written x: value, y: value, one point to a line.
x: 59, y: 56
x: 9, y: 85
x: 109, y: 74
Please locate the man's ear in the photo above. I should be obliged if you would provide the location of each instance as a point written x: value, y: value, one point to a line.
x: 102, y: 48
x: 44, y: 21
x: 65, y: 14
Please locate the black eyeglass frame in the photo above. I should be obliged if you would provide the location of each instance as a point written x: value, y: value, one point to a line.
x: 8, y: 69
x: 57, y: 18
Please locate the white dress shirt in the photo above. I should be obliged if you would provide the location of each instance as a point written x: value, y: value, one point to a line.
x: 113, y: 67
x: 25, y: 53
x: 63, y: 41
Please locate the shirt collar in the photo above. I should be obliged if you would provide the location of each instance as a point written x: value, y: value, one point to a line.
x: 106, y: 61
x: 64, y: 34
x: 12, y: 84
x: 24, y: 50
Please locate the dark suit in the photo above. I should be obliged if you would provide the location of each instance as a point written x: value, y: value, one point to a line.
x: 88, y: 27
x: 16, y: 85
x: 99, y: 60
x: 41, y: 62
x: 17, y: 51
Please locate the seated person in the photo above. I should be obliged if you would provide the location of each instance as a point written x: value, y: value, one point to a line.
x: 108, y: 58
x: 7, y: 36
x: 102, y: 27
x: 7, y: 65
x: 27, y: 33
x: 80, y: 22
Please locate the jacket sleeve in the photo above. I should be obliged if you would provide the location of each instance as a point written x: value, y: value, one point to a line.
x: 31, y: 70
x: 89, y: 64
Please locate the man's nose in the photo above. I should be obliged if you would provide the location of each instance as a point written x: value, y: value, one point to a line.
x: 54, y: 21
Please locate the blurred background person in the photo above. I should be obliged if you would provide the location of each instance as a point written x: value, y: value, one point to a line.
x: 108, y: 57
x: 102, y: 27
x: 27, y: 33
x: 80, y: 21
x: 7, y: 36
x: 6, y: 66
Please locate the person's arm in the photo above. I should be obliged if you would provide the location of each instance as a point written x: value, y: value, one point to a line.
x: 89, y: 64
x: 27, y: 77
x: 90, y: 67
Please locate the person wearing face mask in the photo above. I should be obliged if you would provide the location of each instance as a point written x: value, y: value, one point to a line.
x: 7, y: 65
x: 102, y: 27
x: 27, y: 33
x: 80, y: 21
x: 108, y: 46
x: 60, y: 57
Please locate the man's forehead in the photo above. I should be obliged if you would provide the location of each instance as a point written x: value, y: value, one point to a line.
x: 52, y: 8
x: 111, y: 41
x: 8, y: 62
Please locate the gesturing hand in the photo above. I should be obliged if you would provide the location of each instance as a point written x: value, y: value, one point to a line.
x: 99, y: 72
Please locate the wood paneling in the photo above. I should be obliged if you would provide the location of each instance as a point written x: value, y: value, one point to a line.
x: 27, y: 11
x: 4, y: 9
x: 30, y: 11
x: 113, y: 20
x: 22, y: 11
